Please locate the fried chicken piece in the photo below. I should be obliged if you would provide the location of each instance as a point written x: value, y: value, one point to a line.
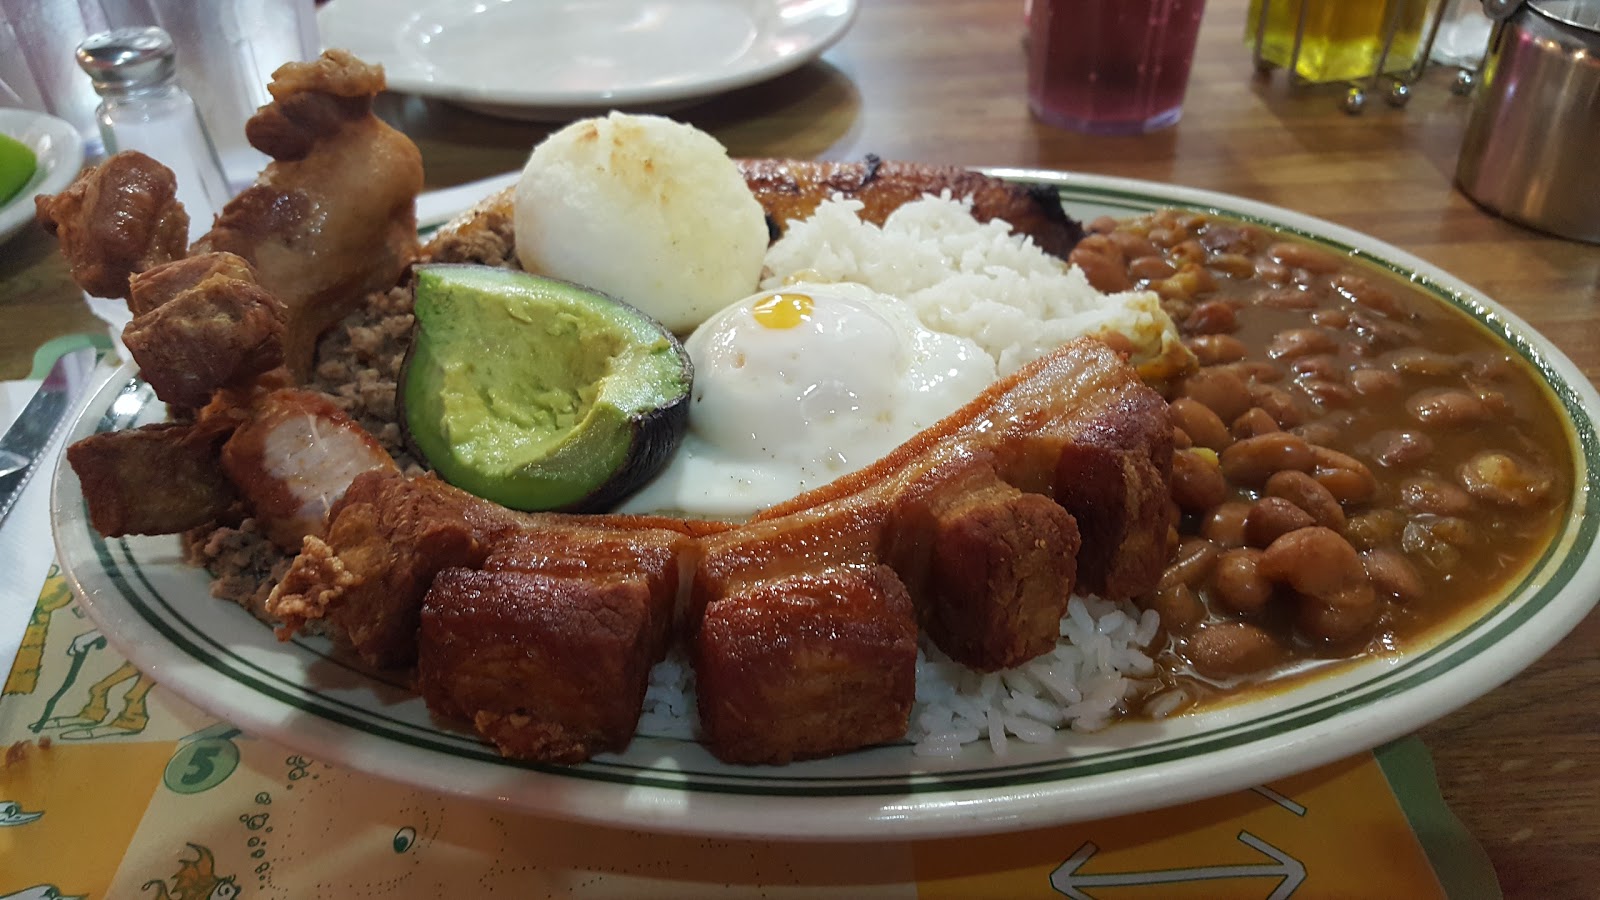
x: 149, y: 289
x: 808, y: 665
x: 546, y: 667
x: 294, y: 457
x: 793, y: 189
x: 387, y: 538
x: 116, y: 220
x: 221, y: 331
x: 157, y: 479
x: 333, y: 217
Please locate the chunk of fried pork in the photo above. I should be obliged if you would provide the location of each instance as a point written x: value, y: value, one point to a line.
x: 333, y: 217
x: 294, y: 457
x: 158, y: 479
x: 116, y: 220
x: 205, y: 324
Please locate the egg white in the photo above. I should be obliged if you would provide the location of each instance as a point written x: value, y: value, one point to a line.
x: 786, y: 402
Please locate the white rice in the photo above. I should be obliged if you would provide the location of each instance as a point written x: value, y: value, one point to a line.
x: 967, y: 278
x: 1097, y: 666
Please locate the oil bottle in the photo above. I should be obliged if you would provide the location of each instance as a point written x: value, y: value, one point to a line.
x: 1341, y: 40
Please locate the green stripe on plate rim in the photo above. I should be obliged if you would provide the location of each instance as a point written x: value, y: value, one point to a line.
x: 1414, y: 670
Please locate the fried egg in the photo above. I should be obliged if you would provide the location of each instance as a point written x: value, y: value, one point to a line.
x: 799, y: 385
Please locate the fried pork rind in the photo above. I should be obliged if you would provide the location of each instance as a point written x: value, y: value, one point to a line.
x: 793, y: 189
x: 805, y: 666
x: 118, y: 468
x: 116, y: 220
x: 333, y: 217
x: 222, y: 331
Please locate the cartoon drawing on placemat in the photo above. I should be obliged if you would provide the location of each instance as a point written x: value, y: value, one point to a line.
x: 94, y: 718
x: 196, y: 879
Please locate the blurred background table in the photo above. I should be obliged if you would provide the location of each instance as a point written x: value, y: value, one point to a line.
x: 944, y: 83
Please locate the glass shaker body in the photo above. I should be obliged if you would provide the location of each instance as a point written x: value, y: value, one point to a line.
x: 143, y: 108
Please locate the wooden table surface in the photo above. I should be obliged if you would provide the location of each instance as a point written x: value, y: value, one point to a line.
x: 944, y: 82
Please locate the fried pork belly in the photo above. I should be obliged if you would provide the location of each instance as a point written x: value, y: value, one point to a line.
x: 390, y: 535
x: 201, y: 332
x: 294, y: 457
x: 158, y: 479
x: 116, y: 220
x: 333, y: 217
x: 993, y: 565
x: 793, y: 189
x: 547, y: 667
x: 387, y: 538
x: 806, y: 666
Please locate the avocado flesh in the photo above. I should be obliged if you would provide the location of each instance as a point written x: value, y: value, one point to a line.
x: 539, y: 394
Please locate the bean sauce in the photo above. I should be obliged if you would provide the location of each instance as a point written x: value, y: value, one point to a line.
x: 1362, y: 463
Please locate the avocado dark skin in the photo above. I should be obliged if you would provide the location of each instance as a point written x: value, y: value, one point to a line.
x: 539, y: 394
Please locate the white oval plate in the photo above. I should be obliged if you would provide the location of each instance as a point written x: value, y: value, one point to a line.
x: 158, y: 613
x: 545, y: 61
x: 58, y: 149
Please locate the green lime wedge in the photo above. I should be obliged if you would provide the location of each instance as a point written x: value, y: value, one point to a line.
x: 16, y: 167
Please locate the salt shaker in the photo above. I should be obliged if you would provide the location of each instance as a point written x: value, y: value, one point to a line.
x: 144, y: 108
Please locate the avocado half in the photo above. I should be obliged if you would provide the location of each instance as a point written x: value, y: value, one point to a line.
x: 539, y: 394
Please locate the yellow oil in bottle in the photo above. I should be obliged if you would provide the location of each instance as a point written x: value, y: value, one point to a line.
x: 1342, y: 39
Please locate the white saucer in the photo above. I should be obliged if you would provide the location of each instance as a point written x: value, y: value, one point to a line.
x: 59, y: 151
x: 561, y: 59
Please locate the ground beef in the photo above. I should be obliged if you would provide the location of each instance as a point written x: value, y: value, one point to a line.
x: 244, y: 565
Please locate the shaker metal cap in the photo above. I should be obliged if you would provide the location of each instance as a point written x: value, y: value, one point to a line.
x: 128, y: 58
x: 1584, y: 14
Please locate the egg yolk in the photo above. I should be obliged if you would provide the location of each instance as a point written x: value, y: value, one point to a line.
x: 782, y: 311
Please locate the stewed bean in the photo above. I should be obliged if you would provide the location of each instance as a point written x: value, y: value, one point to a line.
x: 1204, y: 426
x: 1447, y: 407
x: 1397, y: 449
x: 1251, y: 461
x: 1254, y: 421
x: 1223, y: 391
x: 1237, y: 582
x: 1392, y: 574
x: 1225, y: 525
x: 1271, y: 518
x: 1230, y: 649
x: 1310, y: 495
x: 1191, y: 563
x: 1344, y: 448
x: 1197, y: 482
x: 1212, y: 349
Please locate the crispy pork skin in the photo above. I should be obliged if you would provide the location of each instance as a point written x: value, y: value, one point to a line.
x: 545, y: 667
x: 119, y: 468
x: 807, y: 665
